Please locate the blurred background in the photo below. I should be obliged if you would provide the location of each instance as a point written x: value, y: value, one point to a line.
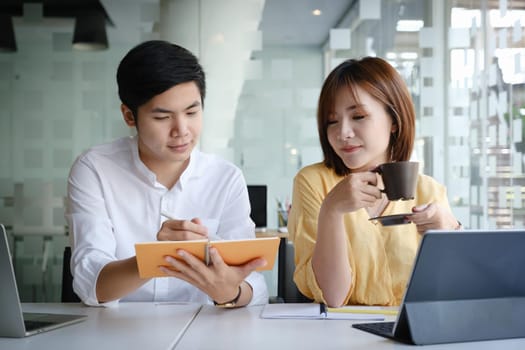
x: 463, y: 61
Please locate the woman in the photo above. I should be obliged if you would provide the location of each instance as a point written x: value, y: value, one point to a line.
x: 365, y: 118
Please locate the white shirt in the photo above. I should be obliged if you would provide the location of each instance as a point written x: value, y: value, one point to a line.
x: 115, y: 201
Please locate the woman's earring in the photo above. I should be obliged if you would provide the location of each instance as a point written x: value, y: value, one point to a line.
x: 393, y: 138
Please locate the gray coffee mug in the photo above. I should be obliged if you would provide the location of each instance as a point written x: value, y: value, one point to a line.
x: 400, y: 179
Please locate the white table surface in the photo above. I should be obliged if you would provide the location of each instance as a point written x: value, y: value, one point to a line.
x: 152, y: 326
x: 128, y: 326
x: 243, y: 329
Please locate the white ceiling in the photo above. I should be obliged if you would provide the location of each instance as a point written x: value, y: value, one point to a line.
x: 291, y: 22
x: 283, y: 22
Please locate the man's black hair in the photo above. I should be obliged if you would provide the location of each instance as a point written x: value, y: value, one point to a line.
x: 153, y: 67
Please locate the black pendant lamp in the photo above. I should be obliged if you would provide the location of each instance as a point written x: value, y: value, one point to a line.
x: 90, y: 31
x: 7, y: 34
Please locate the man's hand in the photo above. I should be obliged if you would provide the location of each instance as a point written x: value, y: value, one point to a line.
x: 182, y: 230
x: 218, y: 280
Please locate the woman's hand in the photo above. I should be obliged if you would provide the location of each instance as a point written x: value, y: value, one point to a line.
x: 355, y: 191
x: 433, y: 216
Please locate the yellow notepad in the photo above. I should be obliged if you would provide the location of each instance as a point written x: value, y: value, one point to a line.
x: 315, y: 311
x: 150, y: 255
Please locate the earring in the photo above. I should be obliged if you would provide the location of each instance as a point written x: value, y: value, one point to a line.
x: 393, y: 138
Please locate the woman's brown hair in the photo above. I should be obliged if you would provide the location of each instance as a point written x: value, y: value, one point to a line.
x: 379, y: 79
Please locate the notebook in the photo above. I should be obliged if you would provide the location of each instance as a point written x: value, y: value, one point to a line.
x: 465, y: 286
x: 315, y: 311
x: 14, y: 323
x: 150, y: 255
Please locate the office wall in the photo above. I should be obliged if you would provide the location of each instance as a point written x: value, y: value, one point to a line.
x: 275, y: 123
x: 55, y: 103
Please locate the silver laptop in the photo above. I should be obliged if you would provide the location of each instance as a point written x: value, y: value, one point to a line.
x: 15, y: 323
x: 465, y: 286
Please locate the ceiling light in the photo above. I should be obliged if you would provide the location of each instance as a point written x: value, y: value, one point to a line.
x: 7, y: 34
x: 316, y: 12
x: 90, y: 31
x: 391, y: 55
x: 408, y: 55
x: 405, y: 25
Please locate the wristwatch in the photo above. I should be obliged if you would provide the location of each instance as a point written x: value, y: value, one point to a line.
x: 229, y: 304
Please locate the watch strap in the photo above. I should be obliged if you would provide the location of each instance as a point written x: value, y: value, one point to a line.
x: 231, y: 303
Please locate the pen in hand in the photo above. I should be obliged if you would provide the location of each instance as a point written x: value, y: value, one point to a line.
x: 166, y: 215
x: 209, y: 236
x: 206, y: 247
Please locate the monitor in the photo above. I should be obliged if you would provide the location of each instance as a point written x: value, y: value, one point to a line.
x: 258, y: 202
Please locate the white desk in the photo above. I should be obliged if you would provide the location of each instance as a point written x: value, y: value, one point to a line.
x: 129, y: 326
x: 243, y: 329
x: 152, y: 326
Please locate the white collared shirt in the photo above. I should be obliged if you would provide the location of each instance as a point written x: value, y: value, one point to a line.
x: 115, y: 201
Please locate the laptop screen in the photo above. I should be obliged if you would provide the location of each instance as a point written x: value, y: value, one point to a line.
x: 12, y: 321
x: 474, y: 264
x: 465, y: 286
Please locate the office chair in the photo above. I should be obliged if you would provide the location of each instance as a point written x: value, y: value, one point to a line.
x: 68, y: 295
x: 290, y: 292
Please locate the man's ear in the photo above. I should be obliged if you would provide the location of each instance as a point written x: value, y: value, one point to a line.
x: 127, y: 114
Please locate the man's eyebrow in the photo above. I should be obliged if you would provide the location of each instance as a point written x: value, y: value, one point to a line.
x: 161, y: 110
x: 194, y: 104
x: 164, y: 110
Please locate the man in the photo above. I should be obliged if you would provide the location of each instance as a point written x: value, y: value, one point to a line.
x: 158, y: 186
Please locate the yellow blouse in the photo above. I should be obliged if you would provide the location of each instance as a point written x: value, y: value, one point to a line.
x: 381, y: 258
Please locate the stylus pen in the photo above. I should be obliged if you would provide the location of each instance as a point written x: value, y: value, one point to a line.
x: 206, y: 247
x: 207, y: 253
x: 166, y: 215
x: 346, y: 310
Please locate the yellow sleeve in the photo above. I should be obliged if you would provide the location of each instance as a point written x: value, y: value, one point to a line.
x: 302, y: 227
x: 431, y: 191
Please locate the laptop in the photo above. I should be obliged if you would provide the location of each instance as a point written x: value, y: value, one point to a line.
x: 465, y: 286
x: 15, y: 323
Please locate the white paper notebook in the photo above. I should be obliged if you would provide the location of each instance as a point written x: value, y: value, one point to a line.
x: 314, y: 311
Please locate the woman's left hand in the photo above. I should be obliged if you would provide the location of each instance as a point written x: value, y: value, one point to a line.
x: 433, y: 216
